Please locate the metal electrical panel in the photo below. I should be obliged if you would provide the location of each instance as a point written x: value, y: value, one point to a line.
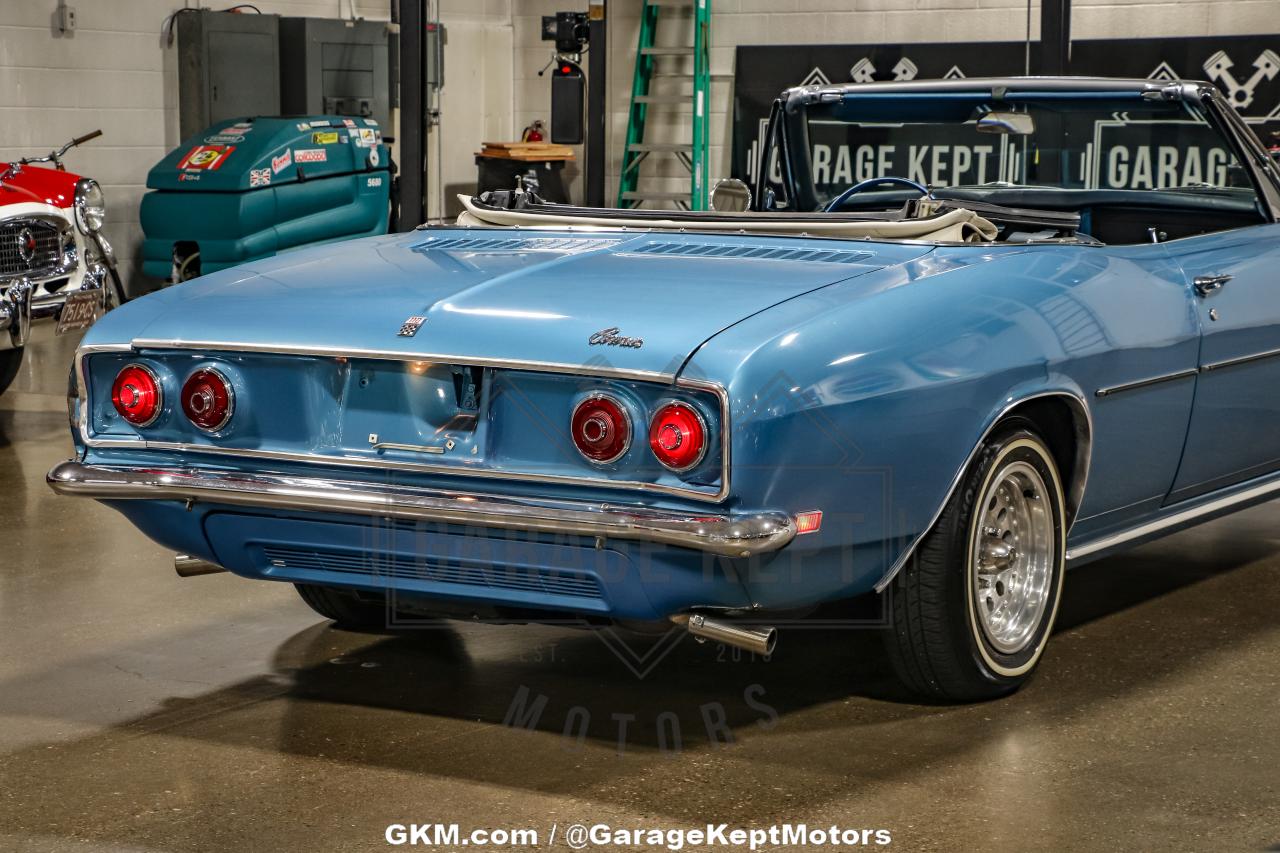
x: 335, y: 67
x: 437, y: 37
x: 228, y: 66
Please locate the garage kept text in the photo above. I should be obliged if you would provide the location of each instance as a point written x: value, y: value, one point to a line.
x: 1132, y: 155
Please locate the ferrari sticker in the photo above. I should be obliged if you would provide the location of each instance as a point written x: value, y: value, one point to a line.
x: 367, y: 136
x: 311, y: 155
x: 282, y: 162
x: 207, y: 157
x: 327, y: 137
x: 259, y: 177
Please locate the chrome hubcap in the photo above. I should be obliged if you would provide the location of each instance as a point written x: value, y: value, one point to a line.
x: 1013, y: 555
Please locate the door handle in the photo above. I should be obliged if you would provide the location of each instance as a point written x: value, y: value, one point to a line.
x: 1206, y: 284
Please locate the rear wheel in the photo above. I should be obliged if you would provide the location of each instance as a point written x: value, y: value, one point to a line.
x: 355, y: 612
x: 973, y: 610
x: 10, y: 361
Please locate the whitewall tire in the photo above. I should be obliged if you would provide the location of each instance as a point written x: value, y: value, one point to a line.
x: 973, y: 610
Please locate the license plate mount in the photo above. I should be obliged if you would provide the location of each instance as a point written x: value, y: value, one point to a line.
x: 80, y: 311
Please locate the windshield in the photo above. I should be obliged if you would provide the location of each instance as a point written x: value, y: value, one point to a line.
x: 1072, y: 141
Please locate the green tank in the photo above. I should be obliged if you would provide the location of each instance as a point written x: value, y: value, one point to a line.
x: 249, y: 188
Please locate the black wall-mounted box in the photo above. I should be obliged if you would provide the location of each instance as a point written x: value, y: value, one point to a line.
x: 568, y: 96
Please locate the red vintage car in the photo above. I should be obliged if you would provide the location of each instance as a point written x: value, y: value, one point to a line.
x: 54, y: 261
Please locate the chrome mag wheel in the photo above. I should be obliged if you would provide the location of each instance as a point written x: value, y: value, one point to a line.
x: 973, y: 610
x: 1014, y: 556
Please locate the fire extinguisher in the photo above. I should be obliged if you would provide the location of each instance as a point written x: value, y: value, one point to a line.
x: 533, y: 133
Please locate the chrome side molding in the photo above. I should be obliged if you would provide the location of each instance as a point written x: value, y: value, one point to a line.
x: 1147, y: 382
x: 1206, y: 510
x: 1187, y: 373
x: 723, y: 534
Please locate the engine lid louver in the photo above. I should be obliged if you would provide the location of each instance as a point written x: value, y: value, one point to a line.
x: 766, y: 253
x: 513, y: 245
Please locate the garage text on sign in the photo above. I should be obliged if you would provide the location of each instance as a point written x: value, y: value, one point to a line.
x: 1113, y: 154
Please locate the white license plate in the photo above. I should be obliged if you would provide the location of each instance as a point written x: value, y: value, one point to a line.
x: 80, y: 311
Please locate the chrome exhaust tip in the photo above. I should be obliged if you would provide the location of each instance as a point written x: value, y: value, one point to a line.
x: 190, y: 567
x: 760, y: 641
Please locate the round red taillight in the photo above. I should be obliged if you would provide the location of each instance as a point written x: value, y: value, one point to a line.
x: 601, y: 429
x: 137, y: 396
x: 207, y: 399
x: 678, y: 436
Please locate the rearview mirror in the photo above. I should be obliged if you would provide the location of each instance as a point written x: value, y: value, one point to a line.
x: 1009, y: 124
x: 730, y: 196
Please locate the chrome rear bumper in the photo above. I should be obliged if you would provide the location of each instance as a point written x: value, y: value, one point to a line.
x: 724, y: 534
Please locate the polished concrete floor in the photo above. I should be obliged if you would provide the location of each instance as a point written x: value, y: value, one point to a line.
x: 139, y: 711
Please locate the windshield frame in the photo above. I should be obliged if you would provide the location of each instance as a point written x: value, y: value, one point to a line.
x: 787, y: 129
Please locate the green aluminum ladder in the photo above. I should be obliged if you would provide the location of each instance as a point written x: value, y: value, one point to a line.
x: 692, y: 154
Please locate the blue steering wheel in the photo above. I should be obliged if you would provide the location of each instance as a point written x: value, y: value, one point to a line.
x: 837, y: 202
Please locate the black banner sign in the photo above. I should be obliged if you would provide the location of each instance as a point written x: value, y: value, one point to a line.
x: 1245, y: 68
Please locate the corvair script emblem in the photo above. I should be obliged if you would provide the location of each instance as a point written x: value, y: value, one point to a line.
x: 612, y: 338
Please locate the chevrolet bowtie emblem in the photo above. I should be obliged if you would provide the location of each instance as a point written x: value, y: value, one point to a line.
x: 411, y: 326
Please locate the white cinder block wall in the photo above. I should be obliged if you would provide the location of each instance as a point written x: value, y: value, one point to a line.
x: 114, y: 72
x: 478, y: 93
x: 749, y: 22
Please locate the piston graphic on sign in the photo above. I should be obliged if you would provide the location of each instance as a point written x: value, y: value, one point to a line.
x: 1219, y: 66
x: 905, y: 70
x: 864, y: 71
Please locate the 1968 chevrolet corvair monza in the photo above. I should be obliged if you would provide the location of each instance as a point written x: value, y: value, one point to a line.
x: 958, y: 335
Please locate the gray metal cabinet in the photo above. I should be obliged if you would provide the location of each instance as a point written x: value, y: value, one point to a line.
x: 228, y: 66
x: 334, y: 67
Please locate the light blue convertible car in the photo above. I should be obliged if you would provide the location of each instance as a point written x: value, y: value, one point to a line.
x: 956, y: 336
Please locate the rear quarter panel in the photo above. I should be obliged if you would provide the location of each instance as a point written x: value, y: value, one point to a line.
x: 866, y: 399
